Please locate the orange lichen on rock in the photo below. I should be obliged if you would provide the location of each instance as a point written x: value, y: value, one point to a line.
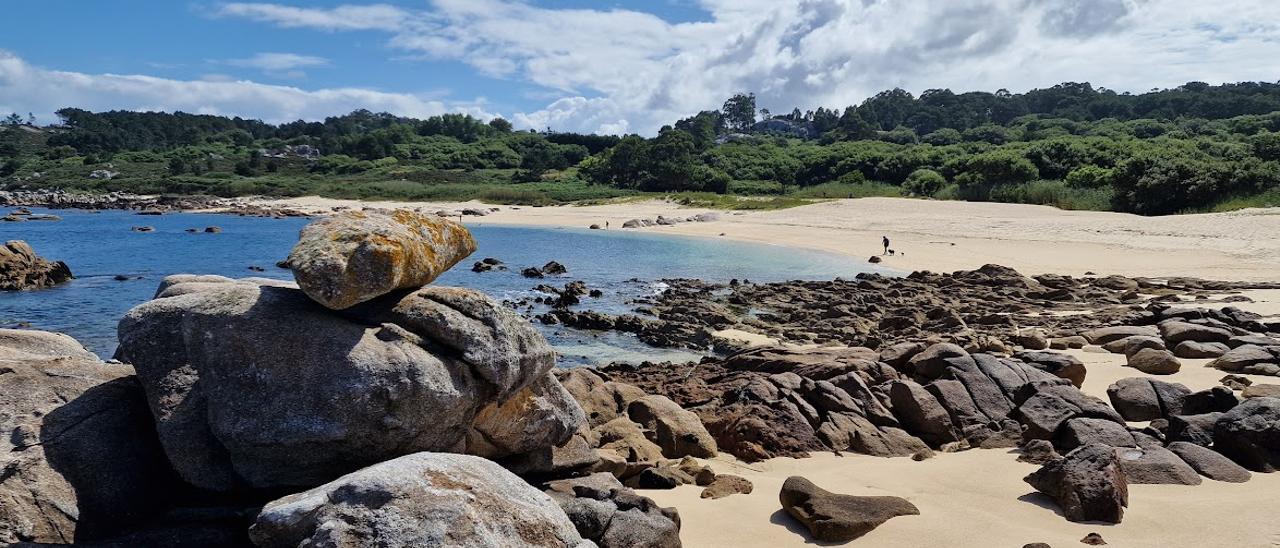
x: 352, y: 257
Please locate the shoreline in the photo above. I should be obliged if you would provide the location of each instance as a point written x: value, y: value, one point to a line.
x: 939, y: 236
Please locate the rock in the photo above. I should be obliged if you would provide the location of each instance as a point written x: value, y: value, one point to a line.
x: 1072, y: 342
x: 920, y: 412
x: 874, y: 259
x: 726, y: 484
x: 897, y: 355
x: 355, y: 256
x: 1216, y: 399
x: 1196, y: 429
x: 1031, y: 339
x: 1107, y: 334
x: 532, y: 272
x: 1145, y: 399
x: 613, y: 516
x: 1261, y: 391
x: 212, y: 229
x: 1151, y: 463
x: 659, y: 478
x: 21, y: 268
x: 678, y: 432
x: 1093, y: 539
x: 143, y: 228
x: 1088, y: 484
x: 254, y: 386
x: 1044, y: 413
x: 1059, y: 365
x: 423, y: 499
x: 1175, y: 332
x: 934, y: 360
x: 79, y: 459
x: 1129, y: 345
x: 1200, y: 350
x: 1085, y: 431
x: 1244, y: 356
x: 1250, y: 434
x: 1037, y: 452
x: 832, y: 517
x: 1235, y: 382
x: 1154, y: 362
x: 1256, y: 340
x: 625, y: 438
x: 554, y: 269
x: 1209, y: 463
x: 542, y: 416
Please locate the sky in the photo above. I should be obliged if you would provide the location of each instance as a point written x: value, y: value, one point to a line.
x: 625, y: 66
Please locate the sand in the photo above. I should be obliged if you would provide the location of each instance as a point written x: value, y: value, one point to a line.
x: 944, y: 236
x: 975, y: 498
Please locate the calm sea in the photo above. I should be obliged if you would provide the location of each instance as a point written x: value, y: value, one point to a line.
x: 625, y: 265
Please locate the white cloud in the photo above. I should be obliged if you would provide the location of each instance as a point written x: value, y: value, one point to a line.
x: 272, y: 62
x: 627, y: 69
x: 27, y: 88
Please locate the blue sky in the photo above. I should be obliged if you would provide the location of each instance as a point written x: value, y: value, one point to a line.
x: 615, y: 67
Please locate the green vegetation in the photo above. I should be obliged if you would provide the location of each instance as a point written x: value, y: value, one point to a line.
x: 1192, y: 148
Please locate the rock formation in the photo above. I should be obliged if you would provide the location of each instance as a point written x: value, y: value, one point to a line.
x: 21, y: 268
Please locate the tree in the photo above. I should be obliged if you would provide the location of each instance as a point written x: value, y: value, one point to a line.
x: 501, y: 125
x: 740, y: 112
x: 13, y: 120
x: 924, y: 182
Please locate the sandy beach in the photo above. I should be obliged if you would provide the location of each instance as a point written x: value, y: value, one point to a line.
x: 944, y: 236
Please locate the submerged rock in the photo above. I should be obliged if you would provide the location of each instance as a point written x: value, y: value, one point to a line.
x: 424, y: 499
x: 355, y: 256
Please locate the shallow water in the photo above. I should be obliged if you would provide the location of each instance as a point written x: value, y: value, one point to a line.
x: 625, y: 265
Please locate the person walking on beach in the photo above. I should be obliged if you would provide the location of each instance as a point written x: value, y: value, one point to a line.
x: 885, y: 240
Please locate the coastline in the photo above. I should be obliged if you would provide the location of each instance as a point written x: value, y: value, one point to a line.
x: 940, y: 236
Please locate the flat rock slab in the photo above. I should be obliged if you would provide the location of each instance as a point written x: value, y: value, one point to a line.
x: 832, y: 517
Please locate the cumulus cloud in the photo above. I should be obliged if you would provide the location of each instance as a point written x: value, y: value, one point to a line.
x: 632, y: 70
x: 27, y: 88
x: 285, y: 65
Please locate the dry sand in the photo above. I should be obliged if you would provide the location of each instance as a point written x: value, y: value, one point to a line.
x: 945, y: 236
x: 978, y: 499
x: 974, y: 498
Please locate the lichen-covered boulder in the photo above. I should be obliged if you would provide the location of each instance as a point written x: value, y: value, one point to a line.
x: 423, y: 499
x: 255, y: 386
x: 356, y: 256
x: 78, y: 454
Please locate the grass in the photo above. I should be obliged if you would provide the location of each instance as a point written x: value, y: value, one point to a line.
x: 848, y: 190
x: 1269, y: 198
x: 736, y: 203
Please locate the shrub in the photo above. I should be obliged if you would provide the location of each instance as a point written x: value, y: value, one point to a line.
x: 924, y: 182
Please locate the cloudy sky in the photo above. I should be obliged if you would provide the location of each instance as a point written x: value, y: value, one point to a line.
x: 615, y: 67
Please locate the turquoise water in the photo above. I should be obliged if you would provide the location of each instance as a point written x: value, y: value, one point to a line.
x: 624, y: 264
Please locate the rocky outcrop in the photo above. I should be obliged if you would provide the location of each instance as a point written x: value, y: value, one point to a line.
x: 832, y: 517
x: 256, y: 386
x: 1145, y: 399
x: 1154, y: 361
x: 423, y: 499
x: 1209, y: 463
x: 356, y: 256
x: 79, y: 459
x: 1088, y: 484
x: 21, y: 268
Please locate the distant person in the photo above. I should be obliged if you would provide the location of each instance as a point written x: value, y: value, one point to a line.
x: 885, y: 241
x: 606, y: 225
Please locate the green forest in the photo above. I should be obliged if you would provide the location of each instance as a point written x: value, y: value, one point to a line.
x: 1197, y: 147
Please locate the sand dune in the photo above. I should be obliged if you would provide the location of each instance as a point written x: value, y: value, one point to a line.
x: 945, y: 236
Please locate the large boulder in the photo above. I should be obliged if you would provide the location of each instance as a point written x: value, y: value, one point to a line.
x: 1175, y: 332
x: 542, y: 416
x: 1150, y: 463
x: 1105, y: 335
x: 356, y: 256
x: 79, y: 459
x: 832, y: 517
x: 1145, y: 399
x: 678, y: 432
x: 1200, y: 350
x: 921, y: 413
x: 1087, y: 483
x: 423, y: 499
x: 1247, y: 355
x: 255, y: 386
x: 1061, y: 365
x: 1250, y: 434
x: 21, y: 268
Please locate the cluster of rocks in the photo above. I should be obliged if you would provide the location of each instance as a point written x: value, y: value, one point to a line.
x: 668, y: 221
x: 1234, y: 338
x: 22, y: 269
x: 61, y: 199
x: 552, y: 268
x: 466, y: 212
x: 988, y: 308
x: 913, y: 398
x: 396, y: 413
x: 23, y: 214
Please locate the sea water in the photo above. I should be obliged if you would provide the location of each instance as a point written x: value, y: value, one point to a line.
x: 624, y: 264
